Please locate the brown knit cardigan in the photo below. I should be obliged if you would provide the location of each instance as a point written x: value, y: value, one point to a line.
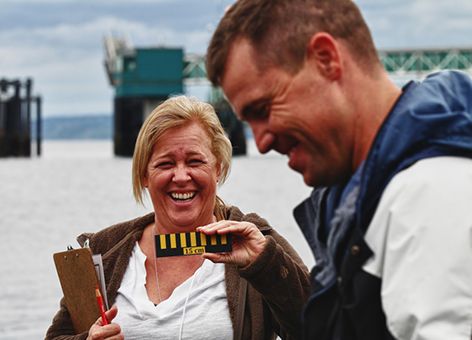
x: 264, y: 298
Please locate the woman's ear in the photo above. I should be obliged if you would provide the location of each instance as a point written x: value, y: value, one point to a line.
x: 145, y: 181
x: 218, y: 173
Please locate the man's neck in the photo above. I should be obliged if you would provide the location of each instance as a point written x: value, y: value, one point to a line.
x: 375, y: 99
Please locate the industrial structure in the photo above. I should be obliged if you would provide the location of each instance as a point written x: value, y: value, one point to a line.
x: 143, y: 77
x: 16, y: 107
x: 422, y: 62
x: 414, y: 63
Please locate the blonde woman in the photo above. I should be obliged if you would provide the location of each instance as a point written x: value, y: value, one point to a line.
x: 256, y: 291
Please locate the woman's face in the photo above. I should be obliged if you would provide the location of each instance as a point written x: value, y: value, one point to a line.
x: 181, y: 178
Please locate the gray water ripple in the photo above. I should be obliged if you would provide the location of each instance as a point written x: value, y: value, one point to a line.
x: 80, y: 186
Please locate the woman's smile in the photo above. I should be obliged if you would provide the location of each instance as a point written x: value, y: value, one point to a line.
x: 187, y: 196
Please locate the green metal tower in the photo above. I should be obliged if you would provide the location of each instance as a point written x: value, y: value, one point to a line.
x: 142, y: 78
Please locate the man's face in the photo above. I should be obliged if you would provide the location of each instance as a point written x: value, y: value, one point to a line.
x: 302, y: 116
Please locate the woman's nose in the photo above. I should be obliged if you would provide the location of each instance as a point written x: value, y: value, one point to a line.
x: 181, y: 174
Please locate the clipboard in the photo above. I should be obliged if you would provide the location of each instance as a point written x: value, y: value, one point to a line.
x: 78, y: 279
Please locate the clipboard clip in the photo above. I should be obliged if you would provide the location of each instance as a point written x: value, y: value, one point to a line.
x: 86, y: 245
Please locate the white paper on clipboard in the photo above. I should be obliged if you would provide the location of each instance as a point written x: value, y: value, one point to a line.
x: 98, y: 263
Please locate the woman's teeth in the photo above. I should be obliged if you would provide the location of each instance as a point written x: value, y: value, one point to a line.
x: 182, y: 196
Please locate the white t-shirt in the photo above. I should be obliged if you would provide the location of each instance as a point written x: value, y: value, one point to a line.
x: 421, y: 236
x: 199, y: 305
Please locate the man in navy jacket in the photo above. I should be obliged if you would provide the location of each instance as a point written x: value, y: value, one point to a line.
x: 390, y: 219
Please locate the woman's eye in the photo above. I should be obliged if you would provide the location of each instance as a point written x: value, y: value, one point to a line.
x: 163, y: 165
x: 195, y: 161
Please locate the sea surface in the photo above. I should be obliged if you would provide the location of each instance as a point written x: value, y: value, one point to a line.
x: 79, y: 186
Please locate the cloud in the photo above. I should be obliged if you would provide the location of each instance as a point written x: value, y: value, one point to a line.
x: 419, y: 23
x: 59, y: 42
x: 66, y: 60
x: 71, y: 2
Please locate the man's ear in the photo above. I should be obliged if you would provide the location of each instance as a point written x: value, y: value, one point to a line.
x: 323, y: 50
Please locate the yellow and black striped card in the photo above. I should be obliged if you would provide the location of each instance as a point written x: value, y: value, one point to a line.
x: 192, y: 243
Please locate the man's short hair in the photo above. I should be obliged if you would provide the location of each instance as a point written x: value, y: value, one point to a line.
x: 279, y: 31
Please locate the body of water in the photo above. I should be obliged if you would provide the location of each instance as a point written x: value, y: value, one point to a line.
x: 80, y: 186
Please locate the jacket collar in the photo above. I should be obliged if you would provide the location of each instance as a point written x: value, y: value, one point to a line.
x: 431, y: 118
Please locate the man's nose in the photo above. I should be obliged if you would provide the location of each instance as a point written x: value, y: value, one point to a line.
x: 263, y: 137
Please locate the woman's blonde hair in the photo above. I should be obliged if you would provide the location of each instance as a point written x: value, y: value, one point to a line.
x: 176, y: 112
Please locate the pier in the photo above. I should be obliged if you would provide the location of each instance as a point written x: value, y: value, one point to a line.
x: 144, y: 77
x: 16, y: 108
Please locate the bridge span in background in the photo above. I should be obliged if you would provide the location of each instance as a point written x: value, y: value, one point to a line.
x: 399, y: 63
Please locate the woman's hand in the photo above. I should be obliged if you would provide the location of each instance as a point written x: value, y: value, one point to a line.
x: 111, y: 331
x: 248, y: 242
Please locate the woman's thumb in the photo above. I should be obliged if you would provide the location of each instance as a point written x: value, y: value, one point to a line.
x: 111, y: 313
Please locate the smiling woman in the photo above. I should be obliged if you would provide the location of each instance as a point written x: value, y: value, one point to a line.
x: 254, y: 291
x: 181, y: 178
x: 164, y: 127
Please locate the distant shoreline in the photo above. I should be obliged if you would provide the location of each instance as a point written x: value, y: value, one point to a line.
x: 95, y: 127
x: 82, y: 127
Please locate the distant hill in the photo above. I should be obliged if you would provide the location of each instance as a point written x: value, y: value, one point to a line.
x: 76, y: 127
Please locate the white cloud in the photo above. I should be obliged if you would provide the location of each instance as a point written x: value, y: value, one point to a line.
x: 107, y: 2
x: 64, y: 53
x: 66, y: 61
x: 419, y: 23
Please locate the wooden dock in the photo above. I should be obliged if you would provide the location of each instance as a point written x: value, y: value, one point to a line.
x: 16, y: 107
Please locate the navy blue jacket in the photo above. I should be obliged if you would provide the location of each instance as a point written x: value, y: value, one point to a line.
x: 431, y: 118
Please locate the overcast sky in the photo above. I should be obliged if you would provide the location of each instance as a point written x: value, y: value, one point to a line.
x: 59, y: 42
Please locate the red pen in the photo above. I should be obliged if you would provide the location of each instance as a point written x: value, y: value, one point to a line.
x: 101, y: 306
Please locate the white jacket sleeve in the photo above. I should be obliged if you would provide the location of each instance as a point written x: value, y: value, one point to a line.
x: 421, y: 236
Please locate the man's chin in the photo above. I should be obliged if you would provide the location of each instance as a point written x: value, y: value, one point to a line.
x: 307, y: 177
x: 294, y: 167
x: 309, y: 180
x: 319, y: 180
